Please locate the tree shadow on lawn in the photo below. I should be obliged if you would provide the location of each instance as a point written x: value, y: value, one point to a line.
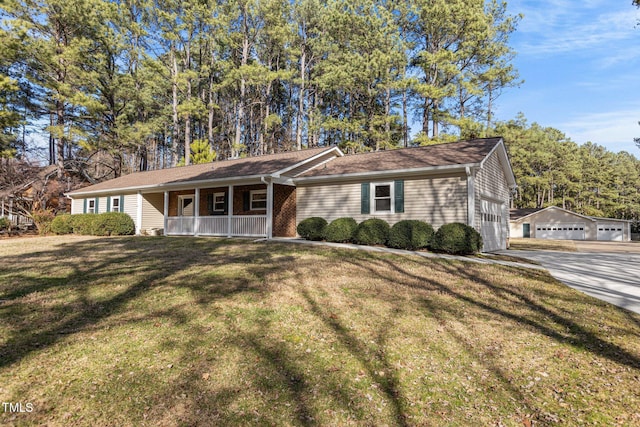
x: 135, y: 264
x: 545, y: 318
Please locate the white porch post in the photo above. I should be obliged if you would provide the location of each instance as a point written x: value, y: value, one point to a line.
x: 2, y: 211
x: 166, y: 212
x: 270, y: 209
x: 139, y: 213
x: 11, y: 209
x: 229, y: 210
x: 196, y: 213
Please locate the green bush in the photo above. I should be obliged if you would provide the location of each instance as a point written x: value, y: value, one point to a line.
x: 372, y: 231
x: 43, y: 218
x: 113, y: 224
x: 4, y: 223
x: 104, y: 224
x: 83, y: 223
x: 61, y: 224
x: 341, y: 230
x: 312, y: 228
x: 457, y: 238
x: 411, y: 234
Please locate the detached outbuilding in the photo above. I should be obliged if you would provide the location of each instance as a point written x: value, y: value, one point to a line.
x: 467, y: 181
x: 561, y: 224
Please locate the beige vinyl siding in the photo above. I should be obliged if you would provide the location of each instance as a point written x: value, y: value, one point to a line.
x: 491, y: 183
x: 77, y: 206
x: 435, y: 200
x: 556, y: 216
x: 152, y: 211
x: 130, y: 205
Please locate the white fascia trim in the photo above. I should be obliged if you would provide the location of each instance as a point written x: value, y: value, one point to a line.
x: 385, y: 174
x: 337, y: 151
x: 153, y: 188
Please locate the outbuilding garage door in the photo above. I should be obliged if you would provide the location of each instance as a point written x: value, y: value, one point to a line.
x: 610, y: 231
x: 492, y: 239
x: 560, y: 231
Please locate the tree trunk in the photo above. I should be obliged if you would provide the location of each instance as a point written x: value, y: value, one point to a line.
x: 301, y: 99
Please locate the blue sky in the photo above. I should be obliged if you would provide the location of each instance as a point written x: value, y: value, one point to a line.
x: 580, y: 62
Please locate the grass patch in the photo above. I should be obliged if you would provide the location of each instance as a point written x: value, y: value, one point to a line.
x: 542, y: 244
x: 189, y: 331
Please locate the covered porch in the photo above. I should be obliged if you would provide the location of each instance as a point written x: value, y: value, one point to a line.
x: 248, y: 210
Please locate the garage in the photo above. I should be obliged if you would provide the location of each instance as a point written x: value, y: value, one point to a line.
x: 611, y: 231
x: 491, y: 230
x: 561, y: 231
x: 558, y: 223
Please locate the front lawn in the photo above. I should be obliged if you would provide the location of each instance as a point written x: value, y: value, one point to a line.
x: 147, y: 331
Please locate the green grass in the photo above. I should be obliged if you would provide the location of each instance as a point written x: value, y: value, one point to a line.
x: 147, y: 331
x: 543, y: 244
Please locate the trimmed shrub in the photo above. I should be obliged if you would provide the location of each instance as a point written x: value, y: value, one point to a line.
x: 341, y: 230
x: 372, y: 231
x: 312, y: 228
x: 411, y: 234
x: 457, y: 238
x: 113, y: 224
x: 4, y: 223
x: 42, y: 219
x: 61, y: 224
x: 83, y: 223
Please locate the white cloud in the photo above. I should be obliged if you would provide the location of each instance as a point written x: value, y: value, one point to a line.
x: 558, y: 26
x: 613, y: 129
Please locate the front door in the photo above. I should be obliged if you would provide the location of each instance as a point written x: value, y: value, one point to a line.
x: 185, y: 205
x: 526, y: 230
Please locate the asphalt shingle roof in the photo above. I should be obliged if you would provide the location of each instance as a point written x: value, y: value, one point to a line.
x: 249, y: 166
x: 454, y: 153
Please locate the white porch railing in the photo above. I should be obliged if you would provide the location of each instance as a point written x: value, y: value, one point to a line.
x: 182, y: 225
x: 213, y: 225
x: 241, y: 225
x: 249, y: 225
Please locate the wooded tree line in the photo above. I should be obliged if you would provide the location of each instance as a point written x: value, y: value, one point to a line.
x: 127, y: 85
x: 553, y: 170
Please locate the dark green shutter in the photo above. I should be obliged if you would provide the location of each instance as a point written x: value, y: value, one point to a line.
x: 84, y: 208
x: 121, y: 207
x: 246, y: 201
x: 108, y: 203
x: 398, y: 195
x: 226, y: 203
x: 210, y: 203
x: 365, y: 199
x: 96, y: 209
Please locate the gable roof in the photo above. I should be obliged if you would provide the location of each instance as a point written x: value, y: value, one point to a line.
x: 441, y: 157
x: 249, y: 167
x: 454, y: 153
x: 520, y: 214
x: 515, y: 214
x: 300, y: 166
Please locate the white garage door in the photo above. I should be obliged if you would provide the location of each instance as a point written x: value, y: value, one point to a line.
x: 560, y: 231
x: 491, y: 231
x: 610, y: 231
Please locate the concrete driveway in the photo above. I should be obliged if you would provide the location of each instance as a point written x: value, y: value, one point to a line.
x: 610, y: 276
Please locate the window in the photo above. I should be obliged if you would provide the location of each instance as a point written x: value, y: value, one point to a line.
x: 91, y: 206
x: 218, y: 202
x: 115, y: 204
x: 382, y: 197
x: 185, y: 205
x: 258, y: 200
